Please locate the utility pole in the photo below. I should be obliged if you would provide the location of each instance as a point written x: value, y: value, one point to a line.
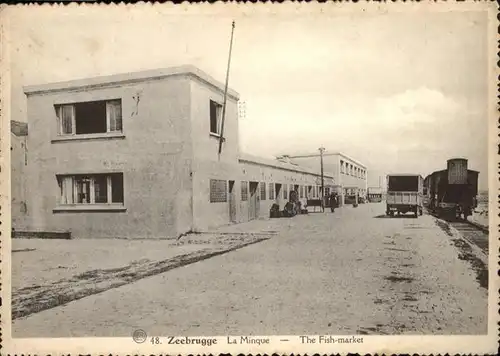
x: 221, y: 138
x: 321, y: 150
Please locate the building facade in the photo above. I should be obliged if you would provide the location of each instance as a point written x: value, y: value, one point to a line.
x: 350, y: 175
x: 19, y: 162
x: 136, y: 156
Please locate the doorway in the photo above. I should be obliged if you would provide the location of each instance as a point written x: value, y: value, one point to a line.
x: 232, y: 202
x: 278, y: 194
x: 254, y: 201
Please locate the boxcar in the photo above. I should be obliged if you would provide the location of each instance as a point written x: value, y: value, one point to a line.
x: 452, y: 192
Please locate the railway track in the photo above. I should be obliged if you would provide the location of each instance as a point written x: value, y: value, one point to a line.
x: 473, y: 233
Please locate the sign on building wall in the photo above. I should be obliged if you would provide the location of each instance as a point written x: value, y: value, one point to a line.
x: 218, y: 191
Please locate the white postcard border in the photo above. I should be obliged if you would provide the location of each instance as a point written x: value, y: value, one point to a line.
x: 371, y: 344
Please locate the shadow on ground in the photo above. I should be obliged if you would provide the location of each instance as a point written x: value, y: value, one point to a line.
x: 402, y: 216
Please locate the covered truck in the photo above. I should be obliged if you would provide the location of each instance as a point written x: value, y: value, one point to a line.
x: 404, y: 194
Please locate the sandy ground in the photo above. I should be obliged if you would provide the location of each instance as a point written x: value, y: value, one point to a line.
x: 48, y: 273
x: 351, y: 272
x: 41, y: 261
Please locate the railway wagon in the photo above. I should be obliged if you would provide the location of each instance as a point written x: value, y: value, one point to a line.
x: 452, y: 192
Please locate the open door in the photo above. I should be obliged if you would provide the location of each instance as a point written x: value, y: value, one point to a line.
x: 232, y: 202
x: 278, y: 194
x: 254, y: 201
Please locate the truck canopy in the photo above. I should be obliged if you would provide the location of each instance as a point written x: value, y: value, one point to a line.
x: 403, y: 183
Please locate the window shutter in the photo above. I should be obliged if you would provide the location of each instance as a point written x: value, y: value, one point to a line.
x: 114, y: 110
x: 67, y: 117
x: 67, y: 190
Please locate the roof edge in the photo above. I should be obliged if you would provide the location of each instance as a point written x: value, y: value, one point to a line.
x: 280, y: 165
x: 311, y: 155
x: 128, y: 78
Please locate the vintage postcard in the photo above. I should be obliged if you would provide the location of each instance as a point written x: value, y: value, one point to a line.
x: 244, y: 178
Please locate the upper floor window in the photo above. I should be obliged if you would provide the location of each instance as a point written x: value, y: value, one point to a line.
x: 215, y: 117
x: 90, y: 117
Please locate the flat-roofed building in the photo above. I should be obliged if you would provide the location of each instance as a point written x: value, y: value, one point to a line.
x: 136, y: 156
x: 18, y: 173
x: 349, y: 174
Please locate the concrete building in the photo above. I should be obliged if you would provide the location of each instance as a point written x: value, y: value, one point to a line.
x: 350, y: 175
x: 19, y: 161
x: 136, y: 156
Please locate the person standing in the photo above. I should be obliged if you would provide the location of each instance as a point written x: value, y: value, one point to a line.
x: 333, y: 201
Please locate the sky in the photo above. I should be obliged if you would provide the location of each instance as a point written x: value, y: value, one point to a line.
x: 400, y: 92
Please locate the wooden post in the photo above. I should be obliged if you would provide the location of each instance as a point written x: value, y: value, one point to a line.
x: 321, y: 149
x: 221, y: 138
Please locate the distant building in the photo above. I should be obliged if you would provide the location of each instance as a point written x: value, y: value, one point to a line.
x: 19, y: 162
x: 136, y: 156
x: 375, y: 194
x: 349, y: 174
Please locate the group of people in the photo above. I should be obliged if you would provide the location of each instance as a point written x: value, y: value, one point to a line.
x: 291, y: 208
x: 294, y: 206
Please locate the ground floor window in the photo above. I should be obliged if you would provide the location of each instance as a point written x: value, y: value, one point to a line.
x: 91, y: 188
x: 244, y: 191
x: 285, y: 191
x: 262, y: 191
x: 218, y: 191
x: 271, y: 191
